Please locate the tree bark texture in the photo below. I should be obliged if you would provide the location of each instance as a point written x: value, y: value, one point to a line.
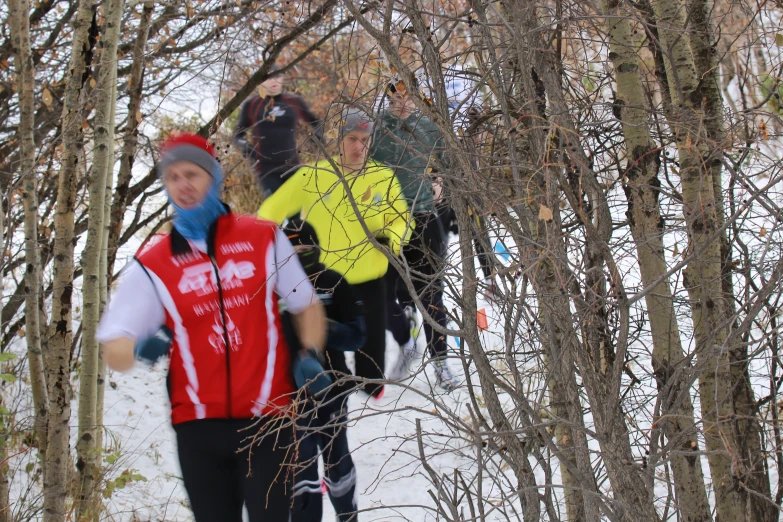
x: 705, y: 58
x: 88, y: 454
x: 20, y: 31
x: 60, y: 336
x: 104, y: 271
x: 130, y: 135
x: 6, y: 515
x: 647, y: 227
x: 5, y: 501
x: 725, y: 391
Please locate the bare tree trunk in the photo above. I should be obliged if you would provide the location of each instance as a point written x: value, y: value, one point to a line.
x: 5, y: 503
x: 20, y: 30
x: 647, y: 228
x: 88, y: 462
x: 725, y: 392
x: 130, y: 136
x: 569, y: 426
x: 745, y: 418
x: 103, y: 269
x: 59, y: 346
x: 705, y: 61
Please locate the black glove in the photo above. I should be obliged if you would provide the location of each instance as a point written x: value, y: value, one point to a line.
x: 153, y: 348
x: 308, y: 369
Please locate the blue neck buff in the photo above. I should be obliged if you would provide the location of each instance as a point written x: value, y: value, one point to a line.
x: 194, y: 223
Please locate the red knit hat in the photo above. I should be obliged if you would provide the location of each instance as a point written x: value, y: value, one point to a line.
x: 188, y: 147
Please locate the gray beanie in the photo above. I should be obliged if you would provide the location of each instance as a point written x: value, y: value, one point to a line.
x: 352, y: 119
x: 192, y: 148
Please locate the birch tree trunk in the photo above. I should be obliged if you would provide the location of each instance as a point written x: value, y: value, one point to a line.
x: 725, y: 392
x: 705, y: 61
x: 103, y: 268
x: 88, y: 461
x: 20, y: 31
x: 5, y: 504
x: 59, y: 345
x: 629, y: 486
x: 130, y: 136
x: 745, y: 419
x: 647, y: 228
x: 565, y: 402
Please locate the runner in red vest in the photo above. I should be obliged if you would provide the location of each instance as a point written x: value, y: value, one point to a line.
x: 214, y: 282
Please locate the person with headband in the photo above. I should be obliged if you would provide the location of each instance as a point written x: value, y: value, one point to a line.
x: 410, y: 144
x: 266, y: 131
x: 215, y: 281
x: 348, y: 199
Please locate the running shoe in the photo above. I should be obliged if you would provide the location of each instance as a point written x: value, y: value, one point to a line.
x: 444, y: 376
x: 402, y: 369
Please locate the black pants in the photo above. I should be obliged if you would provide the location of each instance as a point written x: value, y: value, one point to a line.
x: 478, y: 232
x: 371, y: 358
x: 270, y: 179
x: 425, y: 255
x: 219, y: 478
x: 324, y: 434
x: 396, y: 322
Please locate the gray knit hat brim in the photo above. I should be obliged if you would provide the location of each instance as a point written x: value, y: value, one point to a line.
x: 191, y: 153
x: 354, y: 119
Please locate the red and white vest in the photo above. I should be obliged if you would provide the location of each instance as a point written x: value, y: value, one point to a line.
x: 229, y: 358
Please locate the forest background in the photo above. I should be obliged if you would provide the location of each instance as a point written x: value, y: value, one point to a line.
x: 624, y: 155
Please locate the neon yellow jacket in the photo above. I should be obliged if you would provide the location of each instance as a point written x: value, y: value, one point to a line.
x: 318, y: 192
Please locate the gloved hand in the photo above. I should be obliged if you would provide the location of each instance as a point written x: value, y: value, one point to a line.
x: 346, y: 337
x: 309, y: 372
x: 245, y: 147
x: 153, y: 348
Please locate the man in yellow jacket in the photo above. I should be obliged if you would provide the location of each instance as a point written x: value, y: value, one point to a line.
x: 346, y: 206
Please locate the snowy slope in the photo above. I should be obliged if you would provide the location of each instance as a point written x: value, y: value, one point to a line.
x: 142, y: 464
x: 381, y: 436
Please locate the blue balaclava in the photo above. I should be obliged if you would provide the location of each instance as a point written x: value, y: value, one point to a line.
x: 194, y: 223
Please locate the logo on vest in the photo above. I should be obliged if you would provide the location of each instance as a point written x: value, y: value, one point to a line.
x: 217, y: 338
x: 276, y: 112
x: 201, y: 278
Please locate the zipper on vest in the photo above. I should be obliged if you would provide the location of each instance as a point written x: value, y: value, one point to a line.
x: 225, y: 335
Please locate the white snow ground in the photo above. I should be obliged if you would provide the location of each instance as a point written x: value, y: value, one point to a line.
x: 384, y: 451
x: 392, y: 484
